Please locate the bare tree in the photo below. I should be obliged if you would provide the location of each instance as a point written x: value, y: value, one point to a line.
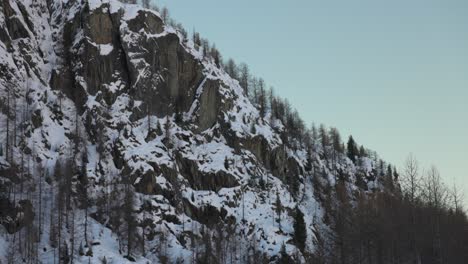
x: 196, y: 39
x: 435, y: 192
x: 7, y: 110
x: 336, y: 146
x: 325, y: 141
x: 436, y: 195
x: 232, y: 69
x: 244, y: 77
x: 411, y: 178
x: 456, y: 199
x: 262, y: 97
x: 411, y: 187
x: 129, y: 203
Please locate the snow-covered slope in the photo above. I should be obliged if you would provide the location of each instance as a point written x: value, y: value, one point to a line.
x: 117, y: 95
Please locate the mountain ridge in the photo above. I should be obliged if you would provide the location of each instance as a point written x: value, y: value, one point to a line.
x: 146, y: 150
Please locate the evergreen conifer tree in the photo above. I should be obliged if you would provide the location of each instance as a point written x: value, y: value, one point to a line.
x: 279, y: 208
x: 352, y: 151
x: 362, y: 152
x: 300, y: 231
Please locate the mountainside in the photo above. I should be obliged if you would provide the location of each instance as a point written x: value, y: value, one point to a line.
x: 122, y: 140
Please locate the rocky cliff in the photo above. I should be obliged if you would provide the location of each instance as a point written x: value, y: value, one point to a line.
x: 127, y: 102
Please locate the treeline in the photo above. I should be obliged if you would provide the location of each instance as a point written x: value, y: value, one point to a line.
x: 421, y: 222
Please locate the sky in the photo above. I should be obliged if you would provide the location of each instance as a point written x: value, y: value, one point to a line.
x: 394, y: 74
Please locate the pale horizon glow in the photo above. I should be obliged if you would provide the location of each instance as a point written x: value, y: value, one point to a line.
x: 394, y: 74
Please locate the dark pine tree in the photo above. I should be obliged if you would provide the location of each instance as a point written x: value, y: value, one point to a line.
x: 300, y: 231
x: 82, y: 190
x: 352, y: 149
x: 226, y: 163
x: 362, y: 152
x: 279, y: 208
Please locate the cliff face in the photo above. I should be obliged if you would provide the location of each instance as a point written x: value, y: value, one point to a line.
x: 127, y: 101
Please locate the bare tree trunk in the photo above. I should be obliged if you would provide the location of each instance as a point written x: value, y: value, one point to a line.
x: 7, y: 147
x: 72, y: 238
x: 14, y: 121
x: 41, y: 172
x: 86, y: 225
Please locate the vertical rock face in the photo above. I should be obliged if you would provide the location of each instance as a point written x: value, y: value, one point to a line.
x: 125, y: 98
x: 135, y: 56
x: 209, y: 105
x: 100, y: 28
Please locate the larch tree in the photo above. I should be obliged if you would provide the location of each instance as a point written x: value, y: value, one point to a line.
x: 231, y: 69
x: 196, y: 39
x: 342, y: 221
x: 129, y: 217
x: 205, y: 44
x: 336, y: 146
x: 435, y: 191
x: 253, y: 91
x: 244, y: 76
x: 411, y: 189
x: 7, y: 115
x: 411, y: 178
x: 456, y: 199
x: 325, y: 141
x: 314, y: 137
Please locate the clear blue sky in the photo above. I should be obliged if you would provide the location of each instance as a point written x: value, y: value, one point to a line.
x: 394, y: 74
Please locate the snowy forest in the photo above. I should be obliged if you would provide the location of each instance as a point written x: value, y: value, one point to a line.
x: 124, y: 138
